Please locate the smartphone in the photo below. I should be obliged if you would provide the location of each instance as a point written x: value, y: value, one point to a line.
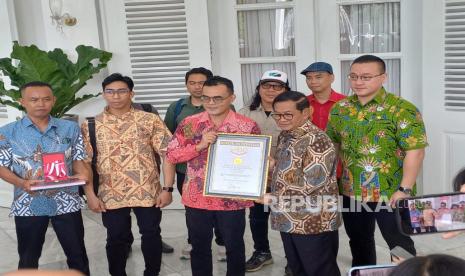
x: 401, y: 253
x: 371, y: 270
x: 431, y: 213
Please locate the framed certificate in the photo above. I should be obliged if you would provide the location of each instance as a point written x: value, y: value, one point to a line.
x: 237, y: 166
x: 55, y: 173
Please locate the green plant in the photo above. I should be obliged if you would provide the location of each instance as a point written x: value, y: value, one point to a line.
x: 53, y: 67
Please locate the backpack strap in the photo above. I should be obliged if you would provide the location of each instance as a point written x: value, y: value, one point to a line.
x: 146, y: 107
x: 177, y: 111
x: 93, y: 143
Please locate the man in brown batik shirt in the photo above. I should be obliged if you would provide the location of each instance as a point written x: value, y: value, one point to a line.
x: 304, y: 191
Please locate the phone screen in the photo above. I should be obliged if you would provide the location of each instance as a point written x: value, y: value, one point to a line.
x: 375, y: 270
x: 431, y: 214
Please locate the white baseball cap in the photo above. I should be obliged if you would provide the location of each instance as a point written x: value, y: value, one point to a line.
x: 274, y: 75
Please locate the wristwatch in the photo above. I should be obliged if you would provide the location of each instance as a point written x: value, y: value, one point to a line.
x: 168, y: 189
x: 406, y: 191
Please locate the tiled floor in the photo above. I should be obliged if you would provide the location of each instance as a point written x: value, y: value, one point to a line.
x: 174, y: 232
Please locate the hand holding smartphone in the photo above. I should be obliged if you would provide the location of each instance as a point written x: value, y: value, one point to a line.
x: 401, y: 253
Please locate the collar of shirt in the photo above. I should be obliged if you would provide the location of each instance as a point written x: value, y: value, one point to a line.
x: 379, y: 98
x: 187, y: 101
x: 122, y: 116
x: 52, y: 123
x: 298, y: 132
x: 333, y: 97
x: 230, y: 119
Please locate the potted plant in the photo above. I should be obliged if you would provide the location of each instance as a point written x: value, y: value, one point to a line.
x: 53, y: 67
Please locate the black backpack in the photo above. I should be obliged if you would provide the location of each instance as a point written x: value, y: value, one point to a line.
x: 93, y: 142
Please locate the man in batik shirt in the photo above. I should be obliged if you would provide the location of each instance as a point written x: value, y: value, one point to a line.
x: 126, y: 141
x: 304, y: 190
x: 190, y: 144
x: 23, y: 144
x: 381, y: 138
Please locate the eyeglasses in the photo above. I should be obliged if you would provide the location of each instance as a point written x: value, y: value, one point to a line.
x: 275, y: 87
x: 201, y: 83
x: 113, y: 92
x: 278, y: 116
x: 353, y: 77
x: 216, y: 99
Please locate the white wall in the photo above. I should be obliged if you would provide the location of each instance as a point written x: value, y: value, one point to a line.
x: 35, y: 27
x: 437, y: 166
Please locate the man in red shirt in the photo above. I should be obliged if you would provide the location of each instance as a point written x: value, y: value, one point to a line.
x: 190, y: 144
x: 319, y: 77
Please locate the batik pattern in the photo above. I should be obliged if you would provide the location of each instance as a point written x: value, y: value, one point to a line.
x: 126, y: 161
x: 303, y: 186
x: 182, y: 149
x: 21, y: 147
x: 374, y: 138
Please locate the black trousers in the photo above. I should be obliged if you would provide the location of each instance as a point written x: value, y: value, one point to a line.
x: 180, y: 177
x: 231, y: 225
x: 360, y: 227
x: 30, y: 232
x: 119, y: 238
x: 258, y: 220
x: 312, y: 255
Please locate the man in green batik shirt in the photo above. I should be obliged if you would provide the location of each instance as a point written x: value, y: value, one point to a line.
x: 381, y: 140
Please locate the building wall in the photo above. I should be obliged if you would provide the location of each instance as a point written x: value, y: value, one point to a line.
x: 35, y: 27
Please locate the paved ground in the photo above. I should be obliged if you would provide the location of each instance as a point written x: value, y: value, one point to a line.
x: 174, y: 232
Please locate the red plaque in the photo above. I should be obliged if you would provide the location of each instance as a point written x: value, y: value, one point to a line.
x: 55, y: 173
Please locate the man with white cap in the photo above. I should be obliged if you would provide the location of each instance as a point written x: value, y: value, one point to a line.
x: 271, y: 84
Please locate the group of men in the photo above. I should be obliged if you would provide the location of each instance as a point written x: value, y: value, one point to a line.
x: 377, y: 138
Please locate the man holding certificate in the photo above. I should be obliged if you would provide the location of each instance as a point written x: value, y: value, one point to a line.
x: 190, y: 144
x: 304, y: 192
x: 37, y: 150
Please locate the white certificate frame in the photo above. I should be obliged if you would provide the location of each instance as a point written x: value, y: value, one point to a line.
x: 228, y: 175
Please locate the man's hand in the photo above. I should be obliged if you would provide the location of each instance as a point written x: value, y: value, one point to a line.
x: 208, y: 138
x: 164, y: 199
x: 271, y: 163
x: 80, y: 176
x: 450, y: 235
x: 397, y: 260
x: 95, y: 204
x: 395, y: 197
x: 26, y: 184
x: 266, y: 199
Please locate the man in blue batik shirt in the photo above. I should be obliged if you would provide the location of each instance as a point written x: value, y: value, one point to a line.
x: 22, y: 144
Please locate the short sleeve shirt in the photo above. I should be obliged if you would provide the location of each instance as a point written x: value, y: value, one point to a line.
x: 21, y: 147
x: 374, y: 138
x: 181, y: 149
x: 320, y: 113
x: 126, y: 163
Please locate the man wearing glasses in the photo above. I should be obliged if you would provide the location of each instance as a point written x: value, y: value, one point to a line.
x: 126, y: 141
x: 381, y: 139
x: 304, y: 190
x: 178, y: 111
x: 272, y: 83
x: 190, y: 144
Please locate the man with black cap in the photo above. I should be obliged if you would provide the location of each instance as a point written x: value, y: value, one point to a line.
x: 319, y: 77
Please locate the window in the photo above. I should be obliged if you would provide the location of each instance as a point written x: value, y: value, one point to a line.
x: 266, y: 41
x: 158, y: 50
x: 371, y: 28
x: 454, y: 56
